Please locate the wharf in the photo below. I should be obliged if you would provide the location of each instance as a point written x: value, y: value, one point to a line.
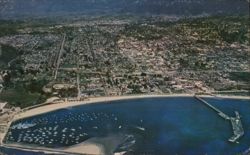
x: 238, y: 130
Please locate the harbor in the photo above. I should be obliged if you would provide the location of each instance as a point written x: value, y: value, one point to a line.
x: 69, y: 126
x: 237, y: 127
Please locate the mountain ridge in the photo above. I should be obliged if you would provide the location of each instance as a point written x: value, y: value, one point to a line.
x: 21, y: 8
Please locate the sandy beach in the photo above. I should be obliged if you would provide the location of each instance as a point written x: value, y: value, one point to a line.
x: 84, y: 148
x: 57, y: 106
x: 98, y: 145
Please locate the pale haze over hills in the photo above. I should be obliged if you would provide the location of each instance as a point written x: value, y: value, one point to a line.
x: 22, y: 8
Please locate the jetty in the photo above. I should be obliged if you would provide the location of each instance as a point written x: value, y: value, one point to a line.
x: 237, y: 127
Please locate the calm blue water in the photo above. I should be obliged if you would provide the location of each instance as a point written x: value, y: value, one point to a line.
x: 167, y: 126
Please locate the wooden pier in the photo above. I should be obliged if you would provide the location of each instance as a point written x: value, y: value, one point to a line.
x: 237, y: 127
x: 220, y: 113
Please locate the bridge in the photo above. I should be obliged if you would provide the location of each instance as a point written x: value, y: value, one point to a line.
x: 237, y: 127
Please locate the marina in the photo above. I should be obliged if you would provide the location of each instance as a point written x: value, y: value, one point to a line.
x: 70, y: 128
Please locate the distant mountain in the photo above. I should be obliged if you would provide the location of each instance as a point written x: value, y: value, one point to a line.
x: 21, y: 8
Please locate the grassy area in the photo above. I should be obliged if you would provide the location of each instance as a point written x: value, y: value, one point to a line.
x: 240, y: 76
x: 24, y: 94
x: 8, y: 53
x: 19, y: 97
x: 8, y: 27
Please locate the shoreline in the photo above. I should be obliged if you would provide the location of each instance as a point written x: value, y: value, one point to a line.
x: 55, y: 151
x: 93, y: 100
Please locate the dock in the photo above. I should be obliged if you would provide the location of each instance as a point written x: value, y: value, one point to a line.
x: 237, y: 127
x: 220, y: 113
